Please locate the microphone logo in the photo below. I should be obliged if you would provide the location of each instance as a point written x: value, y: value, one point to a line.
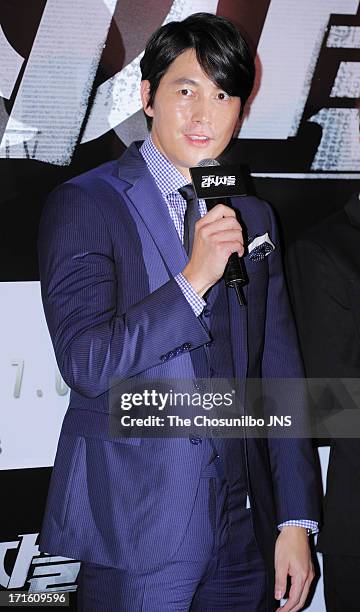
x: 212, y: 179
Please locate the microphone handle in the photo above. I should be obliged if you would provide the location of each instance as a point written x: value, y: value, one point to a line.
x: 235, y: 271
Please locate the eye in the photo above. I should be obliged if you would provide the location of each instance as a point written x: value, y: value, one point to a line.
x: 186, y: 92
x: 222, y: 95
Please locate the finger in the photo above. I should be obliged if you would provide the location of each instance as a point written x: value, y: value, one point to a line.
x: 304, y: 595
x: 294, y: 594
x: 220, y: 224
x: 218, y: 231
x: 230, y: 247
x: 280, y: 580
x: 218, y: 212
x: 226, y: 236
x: 208, y: 226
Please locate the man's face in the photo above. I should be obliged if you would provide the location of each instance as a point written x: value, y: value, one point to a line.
x: 192, y: 118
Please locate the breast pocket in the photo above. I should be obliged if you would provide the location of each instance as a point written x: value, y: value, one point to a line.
x: 256, y: 267
x: 258, y: 278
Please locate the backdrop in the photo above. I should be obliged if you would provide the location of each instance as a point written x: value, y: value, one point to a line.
x: 69, y: 100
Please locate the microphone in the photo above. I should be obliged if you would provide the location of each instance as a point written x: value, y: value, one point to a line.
x: 216, y: 188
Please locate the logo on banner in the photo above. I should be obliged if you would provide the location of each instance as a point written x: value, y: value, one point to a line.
x: 21, y: 564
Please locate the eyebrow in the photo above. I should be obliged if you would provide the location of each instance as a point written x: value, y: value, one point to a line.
x: 184, y: 81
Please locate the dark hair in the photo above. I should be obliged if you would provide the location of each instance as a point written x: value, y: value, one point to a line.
x: 220, y: 50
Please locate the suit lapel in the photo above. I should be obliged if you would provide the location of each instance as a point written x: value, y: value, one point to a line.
x: 154, y: 212
x: 144, y: 195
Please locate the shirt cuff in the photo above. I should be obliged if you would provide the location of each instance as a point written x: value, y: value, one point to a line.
x: 196, y: 302
x: 313, y: 525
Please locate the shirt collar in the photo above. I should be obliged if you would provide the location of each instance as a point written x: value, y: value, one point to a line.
x: 168, y: 179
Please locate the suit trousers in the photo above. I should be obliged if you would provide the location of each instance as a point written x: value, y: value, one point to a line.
x: 218, y: 565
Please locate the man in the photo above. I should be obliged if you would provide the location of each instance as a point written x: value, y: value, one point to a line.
x: 325, y: 285
x: 164, y: 524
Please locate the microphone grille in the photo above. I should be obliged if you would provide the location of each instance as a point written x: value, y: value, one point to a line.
x: 207, y: 162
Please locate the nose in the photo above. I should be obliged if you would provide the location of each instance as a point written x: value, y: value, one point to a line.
x: 202, y: 110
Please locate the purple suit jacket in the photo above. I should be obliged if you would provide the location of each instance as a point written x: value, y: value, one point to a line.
x: 108, y: 253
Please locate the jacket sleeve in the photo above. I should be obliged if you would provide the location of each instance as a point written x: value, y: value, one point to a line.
x: 292, y: 458
x: 94, y: 343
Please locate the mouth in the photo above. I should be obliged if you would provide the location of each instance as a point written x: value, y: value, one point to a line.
x: 198, y: 139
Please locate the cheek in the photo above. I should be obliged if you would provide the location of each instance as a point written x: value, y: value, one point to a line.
x: 229, y: 126
x: 181, y: 111
x: 171, y: 110
x: 177, y: 119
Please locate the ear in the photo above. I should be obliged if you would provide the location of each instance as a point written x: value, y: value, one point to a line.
x: 145, y: 95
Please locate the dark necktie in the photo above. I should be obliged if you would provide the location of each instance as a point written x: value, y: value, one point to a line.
x: 192, y: 214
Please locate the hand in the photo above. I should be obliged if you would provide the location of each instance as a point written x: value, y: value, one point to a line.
x: 293, y: 558
x: 217, y: 235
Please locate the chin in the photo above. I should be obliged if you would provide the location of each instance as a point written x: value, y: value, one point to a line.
x: 203, y: 155
x: 191, y: 158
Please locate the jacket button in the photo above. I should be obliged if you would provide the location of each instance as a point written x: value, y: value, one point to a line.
x: 206, y: 312
x: 195, y: 440
x: 199, y: 386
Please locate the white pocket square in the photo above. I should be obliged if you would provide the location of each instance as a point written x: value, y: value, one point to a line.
x: 260, y: 247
